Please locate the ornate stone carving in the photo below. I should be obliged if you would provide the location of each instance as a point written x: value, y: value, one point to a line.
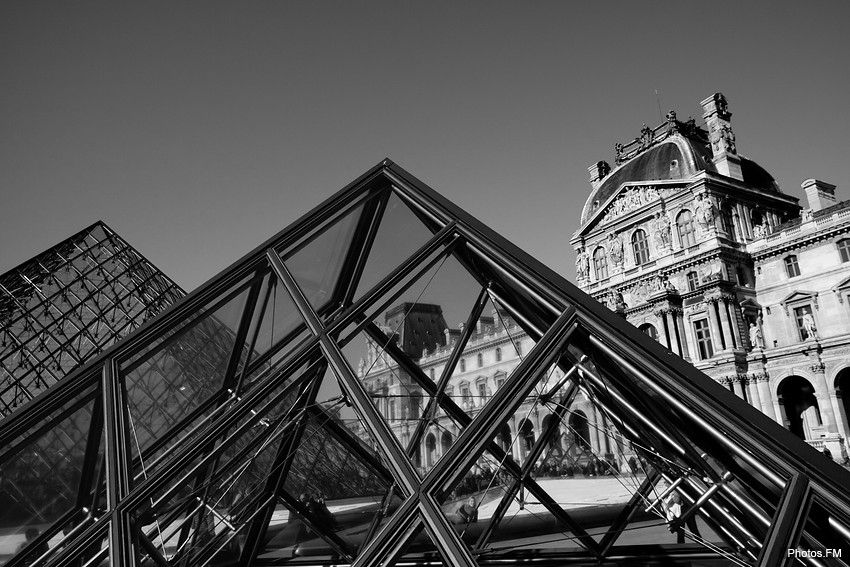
x: 819, y: 367
x: 615, y: 249
x: 661, y: 231
x: 629, y: 200
x: 614, y: 301
x: 704, y: 212
x: 728, y: 138
x: 809, y: 325
x: 722, y: 106
x: 647, y: 135
x: 582, y: 264
x: 672, y: 124
x: 756, y: 337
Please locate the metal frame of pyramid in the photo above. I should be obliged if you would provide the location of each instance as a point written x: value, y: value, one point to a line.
x: 61, y: 308
x: 237, y: 422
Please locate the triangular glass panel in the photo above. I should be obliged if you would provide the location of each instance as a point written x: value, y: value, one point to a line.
x: 317, y: 264
x: 275, y: 319
x: 399, y: 235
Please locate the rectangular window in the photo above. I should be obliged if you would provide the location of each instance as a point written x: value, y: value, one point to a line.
x: 693, y: 281
x: 392, y: 410
x: 792, y: 268
x: 703, y: 335
x: 844, y: 250
x: 482, y: 391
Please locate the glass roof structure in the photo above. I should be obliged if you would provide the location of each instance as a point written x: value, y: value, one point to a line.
x: 233, y: 429
x: 63, y: 307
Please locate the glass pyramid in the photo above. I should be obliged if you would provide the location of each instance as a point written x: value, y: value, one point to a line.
x: 286, y: 413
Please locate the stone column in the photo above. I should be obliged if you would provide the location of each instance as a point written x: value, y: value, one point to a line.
x: 672, y: 332
x: 679, y: 320
x: 737, y: 341
x: 769, y: 406
x: 599, y: 428
x: 838, y: 410
x: 748, y: 222
x: 661, y: 314
x: 725, y: 327
x: 823, y: 397
x: 753, y: 391
x: 713, y: 324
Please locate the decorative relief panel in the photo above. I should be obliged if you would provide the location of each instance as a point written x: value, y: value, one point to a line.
x: 634, y: 198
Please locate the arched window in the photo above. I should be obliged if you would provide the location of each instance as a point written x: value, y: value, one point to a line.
x: 640, y: 247
x: 844, y: 250
x: 693, y: 281
x: 685, y: 228
x: 463, y: 365
x: 432, y: 374
x: 480, y: 360
x: 498, y: 354
x: 649, y: 330
x: 600, y: 264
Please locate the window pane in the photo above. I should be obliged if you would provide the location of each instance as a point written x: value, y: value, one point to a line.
x: 317, y: 265
x: 169, y: 383
x: 844, y: 250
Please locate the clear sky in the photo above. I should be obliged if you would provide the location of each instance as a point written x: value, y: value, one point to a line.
x: 196, y: 130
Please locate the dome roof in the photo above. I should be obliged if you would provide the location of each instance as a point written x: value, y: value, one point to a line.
x: 675, y: 157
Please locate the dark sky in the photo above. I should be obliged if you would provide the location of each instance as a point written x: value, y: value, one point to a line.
x: 198, y: 130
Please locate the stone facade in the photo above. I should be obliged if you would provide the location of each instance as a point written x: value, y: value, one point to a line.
x: 697, y: 246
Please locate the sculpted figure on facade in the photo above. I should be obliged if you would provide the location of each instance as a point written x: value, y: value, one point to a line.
x: 661, y: 231
x: 582, y: 264
x: 629, y: 200
x: 646, y: 137
x: 672, y: 123
x: 615, y: 249
x: 756, y: 338
x: 728, y: 137
x: 704, y: 212
x: 809, y: 325
x: 759, y: 231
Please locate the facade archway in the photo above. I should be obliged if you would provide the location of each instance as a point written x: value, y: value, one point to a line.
x: 802, y: 412
x: 446, y: 440
x: 503, y: 438
x: 430, y: 450
x: 580, y: 430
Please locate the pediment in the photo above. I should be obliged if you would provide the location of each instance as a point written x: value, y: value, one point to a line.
x: 799, y: 296
x: 629, y: 198
x: 843, y: 285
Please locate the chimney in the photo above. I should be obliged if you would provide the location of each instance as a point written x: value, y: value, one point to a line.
x: 718, y: 121
x: 820, y: 194
x: 598, y: 171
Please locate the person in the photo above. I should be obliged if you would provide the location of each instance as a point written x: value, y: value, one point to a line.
x: 673, y: 505
x: 35, y: 552
x: 468, y: 512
